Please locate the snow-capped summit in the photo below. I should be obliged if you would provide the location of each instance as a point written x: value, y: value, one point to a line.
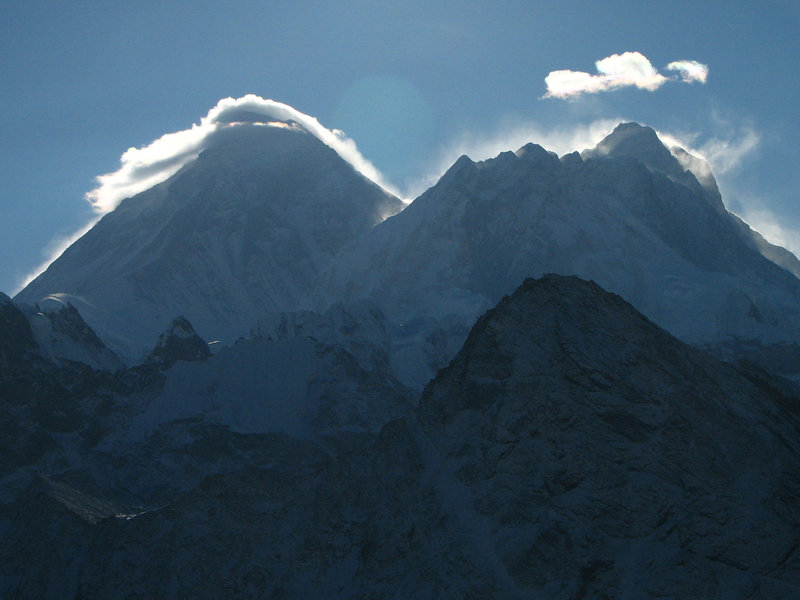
x: 636, y: 142
x: 240, y: 231
x: 268, y: 219
x: 52, y: 330
x: 640, y: 143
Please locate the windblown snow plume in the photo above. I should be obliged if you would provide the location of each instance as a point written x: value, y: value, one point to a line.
x: 619, y: 71
x: 725, y: 150
x: 54, y: 249
x: 142, y: 168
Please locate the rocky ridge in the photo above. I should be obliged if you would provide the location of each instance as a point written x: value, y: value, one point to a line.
x: 571, y: 449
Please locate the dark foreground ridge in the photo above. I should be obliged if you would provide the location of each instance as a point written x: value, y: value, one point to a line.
x: 571, y: 449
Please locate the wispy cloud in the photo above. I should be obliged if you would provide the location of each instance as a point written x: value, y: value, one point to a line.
x: 629, y: 69
x: 727, y: 154
x: 142, y: 168
x: 725, y: 150
x: 770, y: 226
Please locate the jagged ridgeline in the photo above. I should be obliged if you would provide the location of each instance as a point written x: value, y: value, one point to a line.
x: 269, y: 220
x: 247, y: 381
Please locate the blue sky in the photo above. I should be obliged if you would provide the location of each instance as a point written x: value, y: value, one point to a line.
x: 414, y: 84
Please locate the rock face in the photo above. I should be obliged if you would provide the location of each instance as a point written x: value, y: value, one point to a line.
x: 611, y: 460
x: 17, y: 343
x: 178, y: 342
x: 572, y: 449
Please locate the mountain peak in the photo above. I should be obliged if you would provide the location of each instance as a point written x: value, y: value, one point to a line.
x: 565, y: 396
x: 460, y: 170
x: 243, y: 229
x: 273, y: 137
x: 535, y: 154
x: 639, y: 142
x: 179, y: 342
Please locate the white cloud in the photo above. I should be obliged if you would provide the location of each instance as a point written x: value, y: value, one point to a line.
x: 144, y: 167
x: 565, y: 83
x: 618, y: 71
x: 689, y: 70
x: 630, y: 68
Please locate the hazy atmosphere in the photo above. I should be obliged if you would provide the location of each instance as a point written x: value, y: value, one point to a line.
x: 413, y: 86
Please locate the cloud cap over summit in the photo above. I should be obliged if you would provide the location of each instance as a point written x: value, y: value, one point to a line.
x: 144, y: 167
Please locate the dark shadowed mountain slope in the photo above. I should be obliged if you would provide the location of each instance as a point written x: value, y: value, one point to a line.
x: 572, y: 449
x: 608, y: 459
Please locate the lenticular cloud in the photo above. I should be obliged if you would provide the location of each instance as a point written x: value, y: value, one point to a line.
x: 629, y: 69
x: 142, y: 168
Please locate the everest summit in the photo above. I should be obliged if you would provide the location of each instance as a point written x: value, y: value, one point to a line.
x: 238, y: 232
